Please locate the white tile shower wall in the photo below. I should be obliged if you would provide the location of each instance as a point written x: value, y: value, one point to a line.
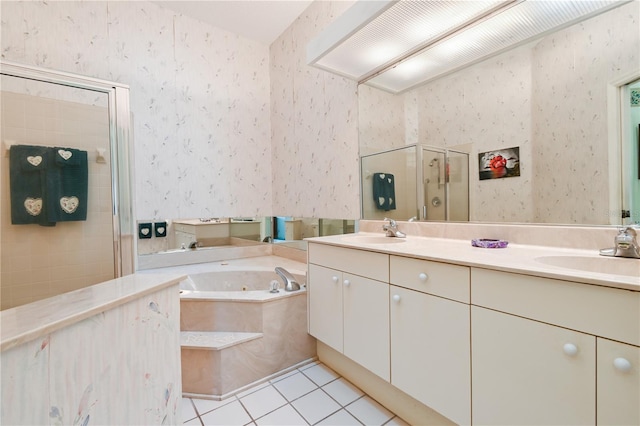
x: 199, y: 97
x: 39, y: 262
x: 314, y: 125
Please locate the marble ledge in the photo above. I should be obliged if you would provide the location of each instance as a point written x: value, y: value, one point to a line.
x: 515, y: 258
x: 34, y: 320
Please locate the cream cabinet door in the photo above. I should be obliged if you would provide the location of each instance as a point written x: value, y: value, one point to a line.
x: 618, y: 383
x: 325, y: 305
x: 366, y: 323
x: 431, y: 353
x: 527, y: 372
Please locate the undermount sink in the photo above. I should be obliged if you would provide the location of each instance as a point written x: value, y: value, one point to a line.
x: 602, y: 265
x: 362, y: 239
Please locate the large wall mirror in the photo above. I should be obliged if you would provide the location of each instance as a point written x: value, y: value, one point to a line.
x: 562, y: 109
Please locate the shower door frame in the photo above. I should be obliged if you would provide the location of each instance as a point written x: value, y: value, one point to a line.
x: 120, y: 148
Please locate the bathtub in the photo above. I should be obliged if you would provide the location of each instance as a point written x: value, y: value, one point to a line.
x: 238, y: 285
x: 235, y: 332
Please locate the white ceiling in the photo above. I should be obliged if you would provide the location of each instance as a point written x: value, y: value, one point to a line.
x: 259, y: 20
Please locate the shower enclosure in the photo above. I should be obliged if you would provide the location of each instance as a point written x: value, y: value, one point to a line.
x: 415, y: 181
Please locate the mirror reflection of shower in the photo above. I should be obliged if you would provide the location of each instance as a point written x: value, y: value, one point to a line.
x: 430, y: 183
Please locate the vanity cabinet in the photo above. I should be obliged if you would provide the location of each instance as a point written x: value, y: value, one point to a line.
x: 398, y: 317
x: 430, y: 334
x: 349, y: 304
x: 325, y: 307
x: 525, y: 369
x: 553, y: 351
x: 618, y: 379
x: 481, y: 346
x: 430, y: 351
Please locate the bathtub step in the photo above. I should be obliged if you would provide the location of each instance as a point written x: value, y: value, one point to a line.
x: 214, y: 340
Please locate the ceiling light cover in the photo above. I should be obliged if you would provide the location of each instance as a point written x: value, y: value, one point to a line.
x: 516, y: 25
x: 400, y: 29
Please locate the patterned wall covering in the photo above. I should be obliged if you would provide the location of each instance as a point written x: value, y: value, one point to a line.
x: 314, y: 126
x: 130, y: 375
x: 383, y: 120
x: 199, y: 97
x: 488, y: 105
x: 571, y: 156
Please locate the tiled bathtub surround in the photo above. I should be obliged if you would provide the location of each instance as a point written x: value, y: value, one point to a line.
x: 234, y: 338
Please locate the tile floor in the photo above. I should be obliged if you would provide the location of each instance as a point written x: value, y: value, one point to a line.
x: 310, y: 395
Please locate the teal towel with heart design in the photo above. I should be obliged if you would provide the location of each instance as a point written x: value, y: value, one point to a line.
x: 27, y: 183
x: 384, y: 192
x: 67, y: 185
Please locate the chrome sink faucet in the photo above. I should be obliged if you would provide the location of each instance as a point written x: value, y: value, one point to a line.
x: 392, y: 229
x: 626, y: 244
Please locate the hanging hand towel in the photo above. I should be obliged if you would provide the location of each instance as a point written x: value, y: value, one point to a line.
x: 384, y: 193
x: 27, y: 182
x: 67, y: 185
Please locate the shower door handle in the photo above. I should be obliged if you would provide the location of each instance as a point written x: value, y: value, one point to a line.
x: 424, y: 212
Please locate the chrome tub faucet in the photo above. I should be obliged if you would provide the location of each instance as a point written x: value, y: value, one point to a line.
x: 392, y: 230
x: 290, y: 283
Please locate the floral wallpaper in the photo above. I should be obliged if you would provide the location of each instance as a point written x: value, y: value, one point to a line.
x: 571, y: 164
x: 314, y: 126
x: 199, y: 97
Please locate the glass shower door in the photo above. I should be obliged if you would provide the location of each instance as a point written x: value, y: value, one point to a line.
x: 434, y: 185
x: 458, y: 186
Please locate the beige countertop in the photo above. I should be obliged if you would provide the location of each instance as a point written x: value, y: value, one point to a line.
x: 31, y: 321
x: 517, y: 258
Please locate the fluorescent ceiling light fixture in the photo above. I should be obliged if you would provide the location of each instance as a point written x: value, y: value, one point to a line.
x: 371, y: 35
x: 513, y: 26
x: 398, y: 45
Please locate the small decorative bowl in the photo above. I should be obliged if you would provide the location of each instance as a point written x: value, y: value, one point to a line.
x: 489, y: 243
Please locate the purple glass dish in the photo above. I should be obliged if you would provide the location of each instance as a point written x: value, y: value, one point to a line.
x: 488, y: 243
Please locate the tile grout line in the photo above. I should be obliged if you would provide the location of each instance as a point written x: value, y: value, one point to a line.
x: 290, y: 403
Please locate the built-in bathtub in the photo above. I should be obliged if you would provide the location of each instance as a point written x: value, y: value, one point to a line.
x: 235, y: 331
x: 246, y: 285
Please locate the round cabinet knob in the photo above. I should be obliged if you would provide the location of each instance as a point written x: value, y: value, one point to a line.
x: 347, y: 283
x: 622, y: 364
x: 396, y: 297
x: 423, y: 276
x: 334, y: 279
x: 570, y: 349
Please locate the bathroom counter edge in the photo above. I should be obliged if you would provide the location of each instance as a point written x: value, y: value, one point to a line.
x: 515, y: 258
x: 31, y: 321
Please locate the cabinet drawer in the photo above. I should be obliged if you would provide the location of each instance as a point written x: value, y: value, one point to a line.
x: 357, y: 262
x: 439, y: 279
x: 602, y: 311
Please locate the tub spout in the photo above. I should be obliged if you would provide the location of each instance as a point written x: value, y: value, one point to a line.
x: 290, y: 283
